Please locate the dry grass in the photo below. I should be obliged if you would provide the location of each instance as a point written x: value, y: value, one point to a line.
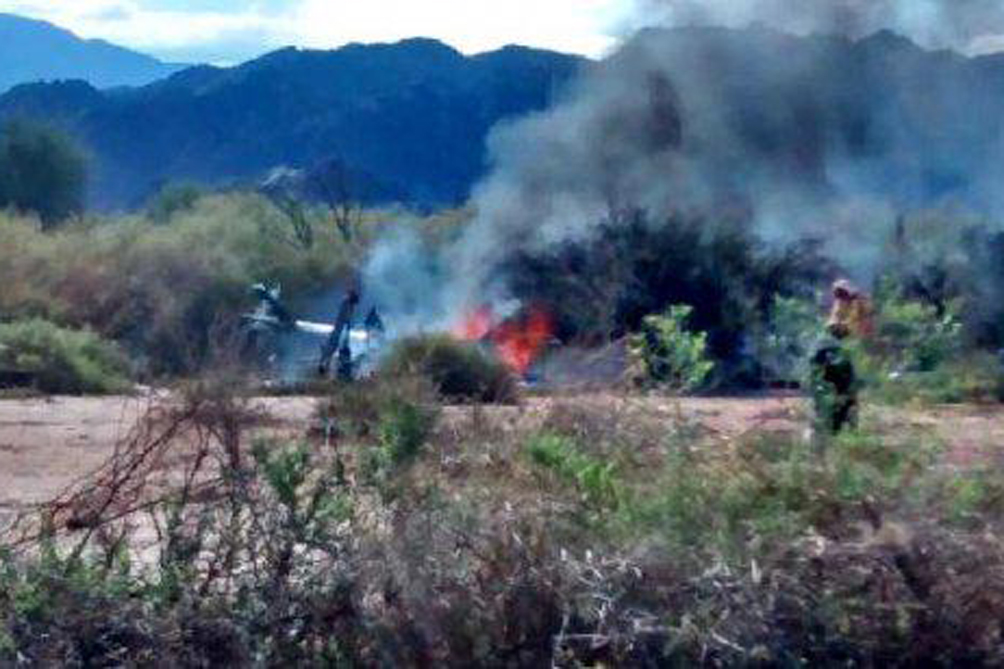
x: 570, y: 532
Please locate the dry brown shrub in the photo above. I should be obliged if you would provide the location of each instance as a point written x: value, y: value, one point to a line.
x: 183, y: 448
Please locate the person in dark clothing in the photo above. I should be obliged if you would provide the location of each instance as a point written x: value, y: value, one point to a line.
x: 834, y: 383
x: 346, y: 370
x: 338, y: 341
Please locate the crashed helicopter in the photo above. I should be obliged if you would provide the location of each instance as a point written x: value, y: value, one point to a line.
x: 277, y: 339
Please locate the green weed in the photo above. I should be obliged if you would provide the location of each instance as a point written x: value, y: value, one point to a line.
x: 596, y: 481
x: 974, y: 495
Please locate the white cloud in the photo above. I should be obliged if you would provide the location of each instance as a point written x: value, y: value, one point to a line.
x: 985, y: 45
x: 226, y: 32
x: 129, y: 23
x: 471, y: 26
x: 580, y: 26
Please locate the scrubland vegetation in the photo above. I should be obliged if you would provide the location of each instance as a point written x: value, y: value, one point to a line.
x: 162, y: 290
x: 435, y: 517
x: 610, y: 531
x: 62, y: 360
x: 167, y: 287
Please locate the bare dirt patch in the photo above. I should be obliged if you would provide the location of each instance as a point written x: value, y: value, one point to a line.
x: 47, y: 444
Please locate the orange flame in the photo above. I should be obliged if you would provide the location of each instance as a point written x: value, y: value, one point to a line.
x: 476, y: 325
x: 518, y: 341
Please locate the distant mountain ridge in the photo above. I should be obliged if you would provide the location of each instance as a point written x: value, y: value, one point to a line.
x: 33, y: 51
x: 414, y: 115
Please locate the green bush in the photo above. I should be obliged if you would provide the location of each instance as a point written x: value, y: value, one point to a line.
x: 404, y: 428
x: 59, y: 360
x: 173, y: 199
x: 460, y: 371
x: 595, y: 480
x: 667, y: 355
x: 940, y: 261
x: 785, y: 346
x: 636, y: 264
x: 919, y: 355
x: 915, y: 337
x: 761, y: 553
x: 972, y: 378
x: 775, y: 491
x: 975, y: 494
x: 357, y: 410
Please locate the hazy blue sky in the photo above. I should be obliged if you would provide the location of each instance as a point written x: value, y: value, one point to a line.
x: 234, y: 30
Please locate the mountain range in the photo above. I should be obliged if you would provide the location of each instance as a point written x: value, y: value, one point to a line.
x: 413, y: 115
x: 32, y: 51
x: 414, y: 118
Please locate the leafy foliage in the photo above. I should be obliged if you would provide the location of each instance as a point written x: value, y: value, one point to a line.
x: 919, y: 354
x: 595, y: 479
x: 404, y: 428
x: 635, y: 266
x: 915, y: 337
x: 668, y: 355
x: 390, y: 419
x: 41, y: 171
x: 689, y: 555
x: 58, y: 360
x: 952, y: 266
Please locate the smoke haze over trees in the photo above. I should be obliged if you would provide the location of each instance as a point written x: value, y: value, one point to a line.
x: 821, y: 138
x: 768, y: 153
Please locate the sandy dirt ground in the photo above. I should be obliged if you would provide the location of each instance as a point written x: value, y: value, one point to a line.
x: 48, y: 444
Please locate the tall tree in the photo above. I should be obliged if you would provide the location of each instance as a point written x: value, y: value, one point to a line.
x: 41, y: 171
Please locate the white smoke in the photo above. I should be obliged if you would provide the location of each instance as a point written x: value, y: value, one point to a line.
x: 403, y: 277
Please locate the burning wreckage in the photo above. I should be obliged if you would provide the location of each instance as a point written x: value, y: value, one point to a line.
x: 276, y: 337
x: 279, y: 340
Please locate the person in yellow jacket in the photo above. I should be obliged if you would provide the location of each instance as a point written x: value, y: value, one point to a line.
x: 834, y: 382
x: 852, y: 313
